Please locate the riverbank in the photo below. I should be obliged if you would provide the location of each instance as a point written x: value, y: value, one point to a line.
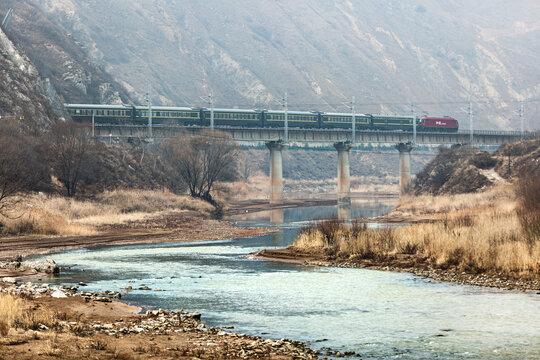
x: 159, y: 228
x: 42, y: 322
x: 468, y: 239
x: 42, y: 224
x: 99, y: 325
x: 401, y: 263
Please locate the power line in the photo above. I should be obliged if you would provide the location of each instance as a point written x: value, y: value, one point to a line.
x: 404, y: 104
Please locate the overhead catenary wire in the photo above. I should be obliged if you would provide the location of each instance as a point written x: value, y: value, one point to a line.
x: 380, y: 104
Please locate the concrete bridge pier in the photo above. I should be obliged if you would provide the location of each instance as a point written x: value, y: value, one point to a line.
x: 344, y: 174
x: 404, y: 166
x: 276, y: 171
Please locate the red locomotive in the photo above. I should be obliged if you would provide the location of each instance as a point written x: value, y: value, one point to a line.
x: 444, y: 124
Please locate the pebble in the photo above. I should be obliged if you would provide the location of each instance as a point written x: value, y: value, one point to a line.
x: 58, y: 294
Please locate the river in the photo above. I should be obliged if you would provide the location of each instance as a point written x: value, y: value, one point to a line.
x: 377, y: 314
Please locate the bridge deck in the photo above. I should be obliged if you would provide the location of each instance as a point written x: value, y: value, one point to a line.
x: 323, y: 136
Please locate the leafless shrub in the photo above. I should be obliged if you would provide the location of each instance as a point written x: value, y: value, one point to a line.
x: 201, y: 160
x: 409, y: 248
x: 69, y: 153
x: 4, y: 328
x: 21, y: 168
x: 98, y: 345
x: 329, y: 230
x: 528, y: 211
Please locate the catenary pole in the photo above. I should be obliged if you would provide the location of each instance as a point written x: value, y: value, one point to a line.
x: 353, y: 109
x: 210, y: 100
x: 521, y: 120
x: 352, y: 106
x: 150, y: 111
x: 413, y: 113
x: 471, y: 122
x: 286, y: 105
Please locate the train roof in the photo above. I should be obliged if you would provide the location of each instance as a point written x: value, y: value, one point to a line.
x: 96, y: 106
x: 393, y: 116
x: 291, y: 112
x: 343, y: 114
x: 167, y: 108
x: 244, y: 111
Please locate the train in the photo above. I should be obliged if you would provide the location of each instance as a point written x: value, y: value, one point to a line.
x: 188, y: 116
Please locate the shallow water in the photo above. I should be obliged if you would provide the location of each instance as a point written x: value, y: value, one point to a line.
x: 374, y: 313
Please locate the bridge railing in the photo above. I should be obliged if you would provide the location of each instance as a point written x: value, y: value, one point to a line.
x: 527, y: 134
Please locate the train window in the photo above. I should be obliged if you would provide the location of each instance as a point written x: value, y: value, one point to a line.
x: 77, y: 111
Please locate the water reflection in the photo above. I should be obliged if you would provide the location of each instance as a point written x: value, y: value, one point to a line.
x: 358, y: 208
x: 277, y: 216
x: 344, y: 211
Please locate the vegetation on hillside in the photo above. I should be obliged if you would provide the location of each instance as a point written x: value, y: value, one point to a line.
x: 454, y: 171
x: 68, y: 161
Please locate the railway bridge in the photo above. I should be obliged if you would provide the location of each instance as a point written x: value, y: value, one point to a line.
x: 343, y: 140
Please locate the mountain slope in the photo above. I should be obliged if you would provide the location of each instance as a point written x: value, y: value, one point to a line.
x: 66, y: 68
x: 21, y: 89
x: 433, y: 53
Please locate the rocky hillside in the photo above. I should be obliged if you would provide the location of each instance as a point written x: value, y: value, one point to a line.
x: 465, y: 169
x: 391, y: 52
x: 67, y: 72
x: 21, y: 91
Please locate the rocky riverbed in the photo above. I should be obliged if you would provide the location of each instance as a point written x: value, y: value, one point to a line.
x: 109, y: 327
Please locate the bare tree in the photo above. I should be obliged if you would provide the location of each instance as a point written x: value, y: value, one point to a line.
x: 69, y: 147
x: 245, y: 165
x: 202, y: 160
x: 21, y: 168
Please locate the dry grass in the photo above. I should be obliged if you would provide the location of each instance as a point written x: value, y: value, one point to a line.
x: 528, y: 210
x: 18, y: 313
x: 478, y: 233
x: 502, y: 197
x: 56, y: 215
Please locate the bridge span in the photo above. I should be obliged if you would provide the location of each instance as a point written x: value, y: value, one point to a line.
x: 318, y: 136
x: 340, y: 139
